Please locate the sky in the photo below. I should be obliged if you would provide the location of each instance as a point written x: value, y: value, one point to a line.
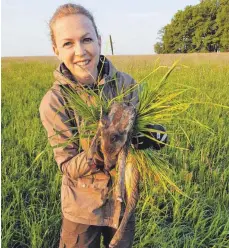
x: 133, y: 25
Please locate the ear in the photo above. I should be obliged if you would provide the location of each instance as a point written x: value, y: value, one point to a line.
x: 104, y: 121
x: 127, y: 120
x: 103, y: 118
x: 55, y: 50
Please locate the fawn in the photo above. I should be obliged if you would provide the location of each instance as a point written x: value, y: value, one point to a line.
x: 115, y: 133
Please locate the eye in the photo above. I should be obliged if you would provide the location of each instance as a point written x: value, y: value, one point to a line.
x: 114, y: 138
x: 87, y: 40
x: 67, y: 44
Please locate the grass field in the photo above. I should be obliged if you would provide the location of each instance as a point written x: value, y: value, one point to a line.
x: 31, y: 190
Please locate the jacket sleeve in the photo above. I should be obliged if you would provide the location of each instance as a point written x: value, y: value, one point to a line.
x: 128, y: 85
x: 60, y: 130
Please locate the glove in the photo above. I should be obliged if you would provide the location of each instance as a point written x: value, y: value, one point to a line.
x: 142, y: 142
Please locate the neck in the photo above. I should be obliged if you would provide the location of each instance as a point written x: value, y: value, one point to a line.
x: 88, y: 80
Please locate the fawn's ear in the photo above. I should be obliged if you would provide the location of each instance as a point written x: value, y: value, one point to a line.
x: 127, y: 120
x: 123, y: 126
x: 104, y: 121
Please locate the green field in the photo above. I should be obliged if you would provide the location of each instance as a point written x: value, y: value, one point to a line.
x: 31, y: 214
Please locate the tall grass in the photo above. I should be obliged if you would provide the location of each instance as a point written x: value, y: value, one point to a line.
x: 31, y: 190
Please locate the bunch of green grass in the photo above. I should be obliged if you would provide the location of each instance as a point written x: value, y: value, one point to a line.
x: 155, y: 106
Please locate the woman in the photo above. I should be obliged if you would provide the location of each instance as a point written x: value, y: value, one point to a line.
x: 88, y: 208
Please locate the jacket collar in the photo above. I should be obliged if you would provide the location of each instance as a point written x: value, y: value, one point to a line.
x: 105, y: 68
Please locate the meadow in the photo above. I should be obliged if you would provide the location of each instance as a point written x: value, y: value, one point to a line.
x: 31, y: 215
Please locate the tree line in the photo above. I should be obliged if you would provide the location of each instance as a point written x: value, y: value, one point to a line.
x: 200, y: 28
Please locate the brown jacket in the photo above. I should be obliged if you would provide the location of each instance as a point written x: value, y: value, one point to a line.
x: 85, y: 197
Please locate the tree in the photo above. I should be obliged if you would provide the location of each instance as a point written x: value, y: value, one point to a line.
x: 222, y: 22
x: 158, y: 48
x: 200, y: 28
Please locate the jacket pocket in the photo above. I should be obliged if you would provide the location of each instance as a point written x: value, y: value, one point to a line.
x: 82, y: 197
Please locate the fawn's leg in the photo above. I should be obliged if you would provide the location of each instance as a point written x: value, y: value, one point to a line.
x: 120, y: 185
x: 132, y: 194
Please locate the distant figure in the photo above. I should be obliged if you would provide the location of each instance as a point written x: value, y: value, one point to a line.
x: 89, y: 208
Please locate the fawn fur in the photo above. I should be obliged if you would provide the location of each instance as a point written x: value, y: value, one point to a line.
x: 114, y: 134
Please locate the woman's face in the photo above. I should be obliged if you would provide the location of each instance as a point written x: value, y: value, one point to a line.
x: 78, y: 46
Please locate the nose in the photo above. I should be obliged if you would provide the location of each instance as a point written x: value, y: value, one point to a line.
x: 79, y: 49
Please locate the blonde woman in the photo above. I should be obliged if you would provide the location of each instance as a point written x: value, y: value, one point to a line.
x: 88, y: 210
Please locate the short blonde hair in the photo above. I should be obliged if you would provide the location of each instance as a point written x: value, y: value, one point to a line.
x: 69, y: 9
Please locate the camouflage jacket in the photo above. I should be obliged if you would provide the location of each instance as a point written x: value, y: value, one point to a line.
x: 86, y: 198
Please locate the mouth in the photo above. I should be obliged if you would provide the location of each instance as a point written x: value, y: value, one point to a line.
x: 83, y: 63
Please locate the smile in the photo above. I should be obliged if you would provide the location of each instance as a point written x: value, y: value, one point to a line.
x: 83, y: 63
